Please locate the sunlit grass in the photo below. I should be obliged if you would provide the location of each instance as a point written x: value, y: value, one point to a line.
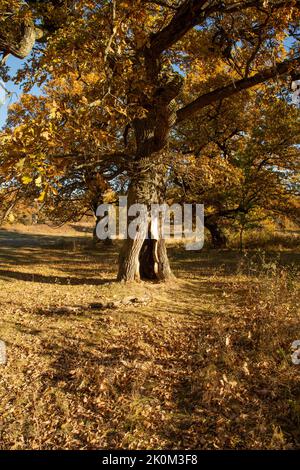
x: 205, y: 364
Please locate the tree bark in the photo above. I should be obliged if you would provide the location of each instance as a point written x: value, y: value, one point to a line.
x: 218, y: 238
x: 241, y: 238
x: 19, y: 39
x: 145, y: 256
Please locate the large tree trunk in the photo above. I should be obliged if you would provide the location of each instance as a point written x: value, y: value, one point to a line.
x: 218, y: 238
x: 145, y: 256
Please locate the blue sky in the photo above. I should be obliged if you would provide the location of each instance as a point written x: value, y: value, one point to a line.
x: 14, y: 64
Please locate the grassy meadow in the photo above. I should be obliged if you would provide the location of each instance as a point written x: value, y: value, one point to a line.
x: 202, y: 363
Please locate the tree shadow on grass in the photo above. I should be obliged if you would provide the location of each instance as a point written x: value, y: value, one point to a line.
x: 82, y: 228
x: 226, y: 262
x: 78, y: 264
x: 60, y: 280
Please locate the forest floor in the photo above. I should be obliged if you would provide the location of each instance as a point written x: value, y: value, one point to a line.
x: 202, y: 363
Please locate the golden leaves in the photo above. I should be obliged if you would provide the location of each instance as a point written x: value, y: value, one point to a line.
x: 46, y: 135
x: 26, y: 179
x: 38, y: 181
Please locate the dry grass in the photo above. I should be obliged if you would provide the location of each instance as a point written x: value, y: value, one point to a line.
x: 268, y: 239
x: 205, y: 365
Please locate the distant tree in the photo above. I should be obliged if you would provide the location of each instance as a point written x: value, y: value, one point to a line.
x: 240, y: 171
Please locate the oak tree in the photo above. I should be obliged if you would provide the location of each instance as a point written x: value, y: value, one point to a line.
x: 127, y: 74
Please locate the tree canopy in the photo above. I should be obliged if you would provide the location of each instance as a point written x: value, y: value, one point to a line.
x: 130, y: 87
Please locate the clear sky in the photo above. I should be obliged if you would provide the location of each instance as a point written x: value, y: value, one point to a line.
x: 14, y: 64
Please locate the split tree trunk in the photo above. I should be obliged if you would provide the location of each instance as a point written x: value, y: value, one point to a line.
x: 144, y: 257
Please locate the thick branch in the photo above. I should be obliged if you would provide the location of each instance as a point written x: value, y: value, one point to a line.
x: 225, y: 92
x: 193, y: 12
x: 187, y: 17
x: 23, y: 48
x: 239, y: 6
